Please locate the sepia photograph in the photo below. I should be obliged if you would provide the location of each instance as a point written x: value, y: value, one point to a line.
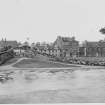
x: 52, y: 51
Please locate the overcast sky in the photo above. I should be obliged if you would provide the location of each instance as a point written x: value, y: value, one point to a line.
x: 43, y: 20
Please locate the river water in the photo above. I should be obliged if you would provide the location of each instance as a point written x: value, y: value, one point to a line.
x: 70, y: 86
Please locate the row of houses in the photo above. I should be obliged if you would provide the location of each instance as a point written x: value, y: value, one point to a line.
x: 18, y: 48
x: 63, y: 46
x: 70, y: 47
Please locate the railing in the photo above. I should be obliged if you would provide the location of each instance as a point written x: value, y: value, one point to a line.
x: 6, y: 55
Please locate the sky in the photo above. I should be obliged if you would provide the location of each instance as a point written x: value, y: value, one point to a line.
x: 44, y: 20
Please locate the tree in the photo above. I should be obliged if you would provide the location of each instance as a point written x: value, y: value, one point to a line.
x: 102, y: 30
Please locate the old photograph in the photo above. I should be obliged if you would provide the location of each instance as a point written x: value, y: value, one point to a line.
x: 52, y: 51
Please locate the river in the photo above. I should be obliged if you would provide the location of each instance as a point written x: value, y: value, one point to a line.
x: 46, y: 87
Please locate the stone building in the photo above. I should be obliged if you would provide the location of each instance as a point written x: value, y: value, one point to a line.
x: 68, y: 45
x: 92, y: 49
x: 11, y: 43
